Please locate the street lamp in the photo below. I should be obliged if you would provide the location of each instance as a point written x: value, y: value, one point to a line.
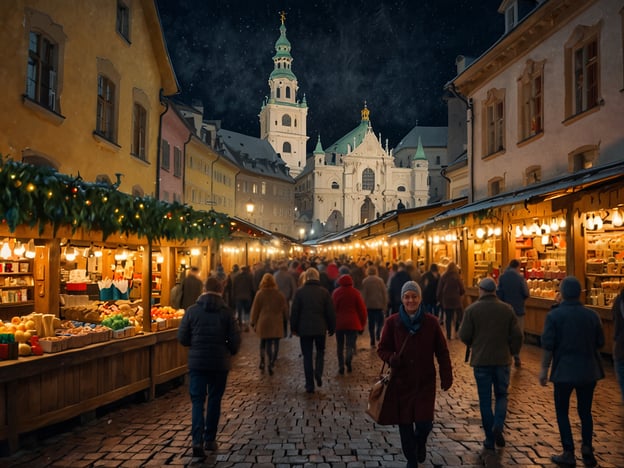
x: 249, y: 207
x: 301, y: 233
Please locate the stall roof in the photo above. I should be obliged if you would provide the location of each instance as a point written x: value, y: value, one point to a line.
x: 547, y: 190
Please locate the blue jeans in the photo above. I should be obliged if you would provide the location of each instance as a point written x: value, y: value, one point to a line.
x: 310, y: 370
x: 375, y: 324
x: 619, y: 373
x: 584, y: 398
x: 488, y: 378
x: 350, y: 336
x: 214, y: 382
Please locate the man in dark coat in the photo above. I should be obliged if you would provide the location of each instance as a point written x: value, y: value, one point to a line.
x: 513, y: 289
x: 572, y: 339
x: 490, y: 328
x: 191, y: 288
x: 394, y: 288
x: 618, y: 340
x: 209, y: 329
x: 312, y: 318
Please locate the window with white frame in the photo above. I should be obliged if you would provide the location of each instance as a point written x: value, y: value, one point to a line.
x: 123, y: 19
x: 368, y: 179
x: 511, y: 16
x: 582, y: 70
x: 494, y: 122
x: 531, y: 99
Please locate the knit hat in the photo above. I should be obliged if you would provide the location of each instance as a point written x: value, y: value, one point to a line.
x: 488, y: 285
x: 570, y: 288
x: 410, y: 286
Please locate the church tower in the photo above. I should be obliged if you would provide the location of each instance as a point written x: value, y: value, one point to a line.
x: 283, y: 118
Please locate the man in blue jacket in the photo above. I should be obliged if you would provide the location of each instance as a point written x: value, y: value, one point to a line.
x: 209, y: 328
x: 572, y: 339
x: 513, y: 289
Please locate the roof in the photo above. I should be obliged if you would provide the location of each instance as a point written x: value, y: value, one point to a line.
x: 430, y: 137
x: 253, y: 154
x: 352, y: 140
x: 546, y: 190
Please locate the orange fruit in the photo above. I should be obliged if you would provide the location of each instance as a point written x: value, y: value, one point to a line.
x: 16, y: 320
x: 21, y: 327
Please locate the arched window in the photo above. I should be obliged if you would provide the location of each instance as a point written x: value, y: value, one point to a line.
x: 401, y: 188
x: 286, y: 120
x: 335, y: 185
x: 368, y: 179
x: 288, y: 92
x: 286, y: 148
x: 278, y: 93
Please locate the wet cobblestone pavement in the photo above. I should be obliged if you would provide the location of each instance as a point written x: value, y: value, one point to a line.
x: 270, y: 421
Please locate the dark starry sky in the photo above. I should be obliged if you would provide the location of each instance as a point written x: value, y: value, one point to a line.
x: 395, y: 55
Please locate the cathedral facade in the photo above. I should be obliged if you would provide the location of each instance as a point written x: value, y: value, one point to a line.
x: 352, y: 181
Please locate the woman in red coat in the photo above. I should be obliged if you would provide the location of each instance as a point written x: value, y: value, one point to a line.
x: 350, y: 319
x: 412, y: 388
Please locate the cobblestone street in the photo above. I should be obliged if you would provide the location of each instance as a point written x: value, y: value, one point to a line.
x: 271, y: 421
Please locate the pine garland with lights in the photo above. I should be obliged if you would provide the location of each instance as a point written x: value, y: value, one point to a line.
x: 35, y: 195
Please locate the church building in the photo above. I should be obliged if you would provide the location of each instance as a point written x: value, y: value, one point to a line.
x: 352, y: 181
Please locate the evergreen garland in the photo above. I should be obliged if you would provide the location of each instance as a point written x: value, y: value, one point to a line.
x: 36, y: 195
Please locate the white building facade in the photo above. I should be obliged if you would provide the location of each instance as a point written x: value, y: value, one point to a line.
x: 283, y: 118
x: 355, y: 180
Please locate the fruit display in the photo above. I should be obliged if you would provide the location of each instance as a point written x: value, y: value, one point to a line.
x: 164, y: 317
x: 96, y: 312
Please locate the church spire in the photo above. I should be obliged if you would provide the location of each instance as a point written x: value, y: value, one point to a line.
x: 365, y: 113
x: 420, y: 151
x: 282, y: 60
x: 319, y: 147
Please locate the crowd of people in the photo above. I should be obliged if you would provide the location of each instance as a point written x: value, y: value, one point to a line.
x: 410, y: 314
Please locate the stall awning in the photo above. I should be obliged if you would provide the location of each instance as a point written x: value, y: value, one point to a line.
x: 544, y: 191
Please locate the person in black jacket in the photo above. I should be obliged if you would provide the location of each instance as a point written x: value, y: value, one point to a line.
x: 312, y: 318
x: 210, y: 330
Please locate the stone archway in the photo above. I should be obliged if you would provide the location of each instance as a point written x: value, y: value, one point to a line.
x: 367, y: 211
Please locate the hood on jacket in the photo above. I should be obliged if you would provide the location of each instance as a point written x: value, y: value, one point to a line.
x: 345, y: 280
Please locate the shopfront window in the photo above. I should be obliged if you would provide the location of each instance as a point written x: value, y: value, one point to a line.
x: 604, y: 246
x: 540, y: 246
x: 486, y: 249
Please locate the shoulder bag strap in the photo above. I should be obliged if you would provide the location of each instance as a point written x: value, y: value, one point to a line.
x: 383, y: 366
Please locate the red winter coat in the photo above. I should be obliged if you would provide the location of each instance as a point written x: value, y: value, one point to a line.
x: 350, y: 308
x: 412, y: 389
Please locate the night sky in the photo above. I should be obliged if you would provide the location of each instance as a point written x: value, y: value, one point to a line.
x: 395, y: 55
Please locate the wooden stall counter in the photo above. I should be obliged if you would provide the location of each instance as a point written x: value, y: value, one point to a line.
x: 38, y: 391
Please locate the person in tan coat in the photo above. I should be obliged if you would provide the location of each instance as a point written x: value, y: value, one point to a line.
x: 269, y: 313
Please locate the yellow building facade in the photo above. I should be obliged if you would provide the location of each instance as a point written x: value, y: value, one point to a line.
x: 81, y: 84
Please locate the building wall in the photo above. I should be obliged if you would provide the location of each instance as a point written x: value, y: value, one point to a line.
x: 600, y: 127
x: 198, y: 161
x: 66, y: 138
x: 175, y: 133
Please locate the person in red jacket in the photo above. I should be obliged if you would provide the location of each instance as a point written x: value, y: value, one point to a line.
x: 350, y: 319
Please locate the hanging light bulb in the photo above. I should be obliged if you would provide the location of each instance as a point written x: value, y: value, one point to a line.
x: 436, y: 239
x: 97, y: 253
x: 160, y: 258
x: 70, y: 254
x: 545, y: 228
x: 590, y: 223
x: 30, y: 249
x: 497, y: 231
x: 5, y: 251
x: 480, y: 233
x: 554, y: 225
x: 490, y: 231
x: 616, y: 220
x: 535, y: 229
x: 562, y: 223
x: 518, y: 231
x: 19, y: 249
x: 597, y: 221
x: 526, y: 231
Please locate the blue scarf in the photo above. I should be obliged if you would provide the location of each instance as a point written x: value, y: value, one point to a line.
x: 412, y: 325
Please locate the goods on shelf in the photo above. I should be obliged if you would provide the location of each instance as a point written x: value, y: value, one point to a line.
x: 164, y: 317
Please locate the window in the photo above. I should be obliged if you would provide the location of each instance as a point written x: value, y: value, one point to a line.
x: 105, y: 125
x: 531, y: 105
x: 263, y: 188
x: 165, y: 155
x: 139, y: 129
x: 177, y: 162
x: 582, y: 158
x: 582, y: 57
x: 278, y: 91
x: 532, y: 175
x: 123, y: 20
x: 288, y: 92
x: 41, y: 80
x: 335, y: 185
x: 494, y: 122
x: 496, y: 186
x: 368, y: 179
x: 286, y: 121
x: 46, y: 46
x: 511, y: 16
x: 286, y: 148
x: 401, y: 188
x: 437, y: 160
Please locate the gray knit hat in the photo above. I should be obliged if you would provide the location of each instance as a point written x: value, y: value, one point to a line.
x: 411, y: 286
